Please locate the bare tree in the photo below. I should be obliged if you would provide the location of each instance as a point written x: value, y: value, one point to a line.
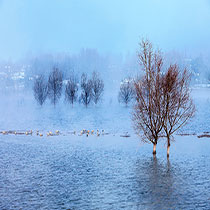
x: 163, y: 102
x: 71, y: 89
x: 55, y: 83
x: 97, y: 87
x: 40, y: 89
x: 127, y: 91
x: 178, y: 105
x: 86, y: 86
x: 147, y: 114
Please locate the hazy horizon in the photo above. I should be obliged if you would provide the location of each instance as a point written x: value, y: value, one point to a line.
x: 31, y: 27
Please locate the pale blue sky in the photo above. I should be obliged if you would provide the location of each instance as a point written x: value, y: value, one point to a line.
x: 28, y: 26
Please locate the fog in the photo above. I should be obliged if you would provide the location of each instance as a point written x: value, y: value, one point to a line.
x: 68, y: 154
x: 31, y: 27
x: 103, y: 36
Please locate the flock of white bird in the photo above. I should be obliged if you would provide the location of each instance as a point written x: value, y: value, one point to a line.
x: 56, y: 133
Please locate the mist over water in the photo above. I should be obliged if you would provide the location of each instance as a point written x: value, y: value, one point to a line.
x: 112, y: 170
x: 70, y: 171
x: 20, y: 111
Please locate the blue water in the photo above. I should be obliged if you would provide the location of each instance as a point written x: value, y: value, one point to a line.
x: 103, y: 173
x: 107, y: 172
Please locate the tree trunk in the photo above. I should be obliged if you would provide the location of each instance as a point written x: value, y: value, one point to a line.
x: 168, y: 146
x: 154, y: 149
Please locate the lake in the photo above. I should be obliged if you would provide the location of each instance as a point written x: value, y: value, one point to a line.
x: 69, y: 171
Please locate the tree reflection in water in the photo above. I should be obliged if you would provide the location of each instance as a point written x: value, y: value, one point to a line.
x: 156, y: 185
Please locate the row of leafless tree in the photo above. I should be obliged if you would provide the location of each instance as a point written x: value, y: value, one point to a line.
x: 91, y: 89
x: 163, y: 102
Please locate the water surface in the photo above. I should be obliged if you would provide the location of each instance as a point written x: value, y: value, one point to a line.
x: 107, y: 172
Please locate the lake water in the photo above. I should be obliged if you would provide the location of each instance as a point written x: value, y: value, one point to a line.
x: 107, y: 172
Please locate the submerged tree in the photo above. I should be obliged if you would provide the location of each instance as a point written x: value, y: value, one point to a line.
x: 127, y: 91
x: 147, y: 115
x: 97, y: 87
x: 55, y: 83
x: 178, y: 107
x: 86, y: 86
x: 71, y: 89
x: 163, y: 102
x: 40, y: 89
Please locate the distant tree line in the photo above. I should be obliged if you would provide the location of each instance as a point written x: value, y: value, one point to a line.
x: 91, y: 89
x: 85, y: 91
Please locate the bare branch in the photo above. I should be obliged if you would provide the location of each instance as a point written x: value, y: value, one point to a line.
x: 147, y: 114
x: 86, y: 86
x: 127, y: 91
x: 40, y: 89
x: 55, y: 83
x: 97, y: 87
x: 71, y: 89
